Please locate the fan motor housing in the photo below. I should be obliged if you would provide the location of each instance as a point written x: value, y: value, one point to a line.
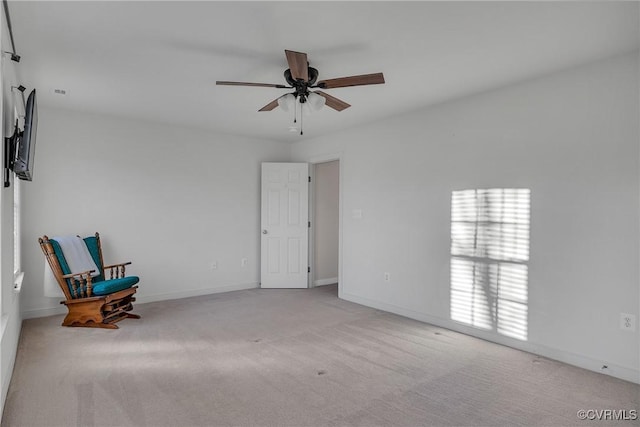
x: 313, y: 76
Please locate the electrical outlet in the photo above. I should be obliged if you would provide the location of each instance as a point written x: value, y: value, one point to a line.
x: 244, y: 262
x: 627, y: 322
x: 387, y: 277
x: 214, y: 265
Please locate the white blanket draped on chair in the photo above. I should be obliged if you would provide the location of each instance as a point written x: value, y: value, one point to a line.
x: 78, y: 258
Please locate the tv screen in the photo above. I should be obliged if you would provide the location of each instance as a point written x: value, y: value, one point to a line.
x: 26, y: 146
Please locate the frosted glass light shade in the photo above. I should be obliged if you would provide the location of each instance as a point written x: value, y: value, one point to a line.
x: 316, y: 101
x: 286, y: 102
x: 306, y: 108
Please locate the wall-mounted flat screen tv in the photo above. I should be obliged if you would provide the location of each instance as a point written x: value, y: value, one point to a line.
x: 26, y: 145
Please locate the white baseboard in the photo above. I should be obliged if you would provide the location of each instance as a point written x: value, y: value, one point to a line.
x: 43, y: 312
x: 322, y: 282
x: 622, y: 372
x: 53, y: 311
x: 195, y: 292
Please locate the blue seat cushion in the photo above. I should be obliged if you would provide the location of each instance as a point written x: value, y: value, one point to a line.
x: 106, y: 287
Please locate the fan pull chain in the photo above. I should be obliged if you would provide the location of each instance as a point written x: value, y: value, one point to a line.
x: 301, y: 118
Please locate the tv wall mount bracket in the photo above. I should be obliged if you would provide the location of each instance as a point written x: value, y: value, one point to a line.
x: 10, y: 143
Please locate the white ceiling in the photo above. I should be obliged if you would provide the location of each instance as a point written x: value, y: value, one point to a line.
x: 159, y: 61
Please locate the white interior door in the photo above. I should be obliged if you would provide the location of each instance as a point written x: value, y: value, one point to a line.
x: 284, y: 221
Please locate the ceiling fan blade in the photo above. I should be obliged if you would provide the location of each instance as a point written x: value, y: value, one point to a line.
x: 298, y: 65
x: 270, y: 106
x: 333, y: 102
x: 250, y: 84
x: 364, y: 79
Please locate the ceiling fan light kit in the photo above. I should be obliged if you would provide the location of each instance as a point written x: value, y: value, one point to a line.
x: 301, y: 78
x: 316, y: 101
x: 286, y: 102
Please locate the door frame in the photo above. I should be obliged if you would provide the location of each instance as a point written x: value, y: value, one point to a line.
x: 313, y: 161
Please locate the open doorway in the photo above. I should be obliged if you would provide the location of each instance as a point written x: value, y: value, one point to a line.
x: 325, y: 220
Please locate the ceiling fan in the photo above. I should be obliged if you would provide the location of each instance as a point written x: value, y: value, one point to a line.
x: 302, y: 78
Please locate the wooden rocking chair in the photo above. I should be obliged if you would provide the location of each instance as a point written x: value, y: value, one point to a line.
x: 94, y: 302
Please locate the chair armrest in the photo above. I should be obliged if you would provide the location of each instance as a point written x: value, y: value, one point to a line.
x: 117, y: 265
x: 117, y: 270
x: 80, y: 283
x: 80, y: 275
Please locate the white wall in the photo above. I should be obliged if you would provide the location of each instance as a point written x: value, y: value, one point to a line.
x: 572, y: 138
x: 10, y: 319
x: 325, y: 222
x: 193, y: 197
x: 171, y: 200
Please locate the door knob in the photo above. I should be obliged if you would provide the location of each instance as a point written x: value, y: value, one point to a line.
x: 264, y: 231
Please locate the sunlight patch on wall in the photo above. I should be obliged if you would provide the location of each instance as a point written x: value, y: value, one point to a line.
x: 489, y: 255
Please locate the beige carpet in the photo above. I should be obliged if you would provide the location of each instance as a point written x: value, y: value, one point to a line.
x: 290, y: 358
